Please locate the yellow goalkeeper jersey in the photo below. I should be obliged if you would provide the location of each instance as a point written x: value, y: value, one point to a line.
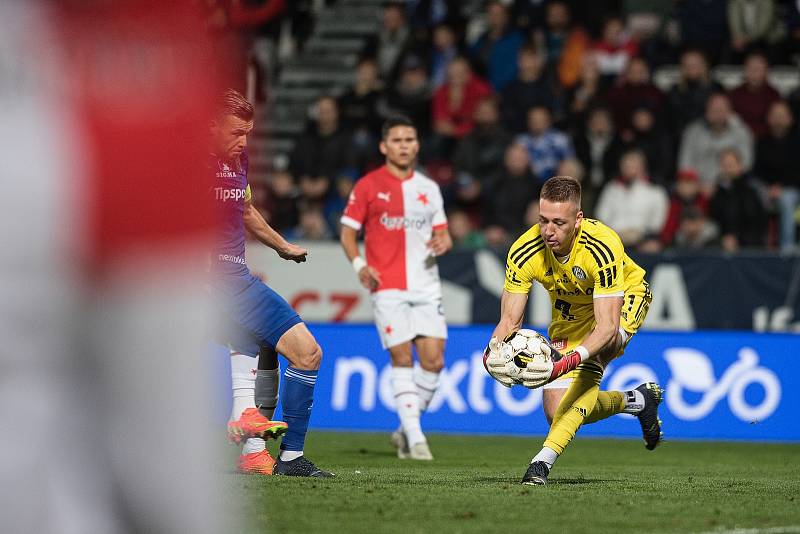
x: 597, y: 266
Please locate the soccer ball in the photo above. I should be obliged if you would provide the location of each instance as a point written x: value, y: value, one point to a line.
x: 527, y: 346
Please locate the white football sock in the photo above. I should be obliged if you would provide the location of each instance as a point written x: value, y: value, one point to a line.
x: 634, y: 402
x: 546, y: 455
x: 252, y: 445
x: 426, y: 382
x: 288, y: 456
x: 243, y: 380
x: 407, y: 399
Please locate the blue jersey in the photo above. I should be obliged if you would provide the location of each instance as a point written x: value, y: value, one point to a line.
x: 231, y: 191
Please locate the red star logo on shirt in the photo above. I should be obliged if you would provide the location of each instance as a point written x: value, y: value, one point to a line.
x: 422, y: 197
x: 388, y: 330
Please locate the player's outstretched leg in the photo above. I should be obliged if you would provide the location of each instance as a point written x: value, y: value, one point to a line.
x: 247, y: 424
x: 648, y: 416
x: 299, y: 379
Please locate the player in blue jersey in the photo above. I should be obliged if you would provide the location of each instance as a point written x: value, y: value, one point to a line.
x: 253, y: 314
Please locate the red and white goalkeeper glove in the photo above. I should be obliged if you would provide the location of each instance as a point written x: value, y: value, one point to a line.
x: 538, y: 373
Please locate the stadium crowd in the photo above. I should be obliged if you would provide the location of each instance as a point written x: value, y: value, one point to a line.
x: 556, y: 87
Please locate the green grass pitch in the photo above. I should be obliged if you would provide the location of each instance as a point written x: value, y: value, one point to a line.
x: 473, y: 486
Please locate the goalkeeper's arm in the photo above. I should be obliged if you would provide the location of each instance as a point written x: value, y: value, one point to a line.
x: 600, y: 345
x: 512, y: 309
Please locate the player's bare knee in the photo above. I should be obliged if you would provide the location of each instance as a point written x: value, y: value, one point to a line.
x: 310, y: 359
x: 433, y: 364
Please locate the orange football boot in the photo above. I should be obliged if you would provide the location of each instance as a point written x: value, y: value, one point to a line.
x: 254, y: 425
x: 256, y: 463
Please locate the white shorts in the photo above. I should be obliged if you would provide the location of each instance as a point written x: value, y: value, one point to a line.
x: 400, y: 316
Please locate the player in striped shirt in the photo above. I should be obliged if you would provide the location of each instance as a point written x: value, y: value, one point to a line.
x: 600, y: 300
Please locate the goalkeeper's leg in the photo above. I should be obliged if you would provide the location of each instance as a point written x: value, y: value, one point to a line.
x: 579, y: 400
x: 608, y: 403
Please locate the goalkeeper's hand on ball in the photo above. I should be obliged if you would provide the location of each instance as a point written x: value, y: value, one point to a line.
x: 497, y: 361
x: 536, y: 374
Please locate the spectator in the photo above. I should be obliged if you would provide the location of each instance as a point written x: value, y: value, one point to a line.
x: 753, y: 98
x: 695, y: 231
x: 546, y: 146
x: 687, y: 98
x: 496, y: 50
x: 633, y: 206
x: 588, y: 93
x: 598, y: 148
x: 647, y: 22
x: 510, y: 192
x: 411, y: 95
x: 443, y: 51
x: 359, y: 105
x: 324, y: 151
x: 465, y: 235
x: 563, y: 44
x: 706, y: 138
x: 572, y: 167
x: 753, y: 24
x: 687, y: 195
x: 360, y: 114
x: 615, y: 49
x: 736, y: 205
x: 453, y: 105
x: 655, y: 142
x: 531, y: 88
x: 704, y: 25
x: 312, y: 227
x: 480, y: 153
x: 778, y: 164
x: 392, y: 42
x: 636, y: 90
x: 282, y: 208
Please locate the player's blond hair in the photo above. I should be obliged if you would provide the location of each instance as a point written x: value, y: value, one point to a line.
x: 562, y: 189
x: 232, y: 102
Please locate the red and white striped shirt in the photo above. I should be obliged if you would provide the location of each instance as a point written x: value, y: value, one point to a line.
x: 398, y: 217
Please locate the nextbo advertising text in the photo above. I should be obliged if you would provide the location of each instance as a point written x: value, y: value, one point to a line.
x: 719, y: 385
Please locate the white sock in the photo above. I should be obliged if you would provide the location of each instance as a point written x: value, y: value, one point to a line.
x: 546, y: 455
x: 407, y: 399
x: 252, y: 445
x: 288, y: 456
x: 426, y: 382
x: 243, y: 380
x: 634, y: 402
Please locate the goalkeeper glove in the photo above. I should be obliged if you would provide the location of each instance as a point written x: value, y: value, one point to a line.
x: 496, y: 358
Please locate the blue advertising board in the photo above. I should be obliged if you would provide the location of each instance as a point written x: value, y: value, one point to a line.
x: 719, y: 385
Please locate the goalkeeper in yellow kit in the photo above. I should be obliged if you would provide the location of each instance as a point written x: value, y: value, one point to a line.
x: 600, y: 300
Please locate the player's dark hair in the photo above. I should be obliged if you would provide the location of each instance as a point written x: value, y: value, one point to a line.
x: 562, y: 189
x: 393, y: 121
x: 232, y: 102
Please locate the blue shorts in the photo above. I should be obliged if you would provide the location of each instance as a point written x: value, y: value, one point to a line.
x: 253, y: 315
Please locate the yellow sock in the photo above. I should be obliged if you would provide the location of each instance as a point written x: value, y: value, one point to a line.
x: 608, y: 403
x: 578, y: 402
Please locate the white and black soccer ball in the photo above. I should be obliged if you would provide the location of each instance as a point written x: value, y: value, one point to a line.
x: 528, y: 346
